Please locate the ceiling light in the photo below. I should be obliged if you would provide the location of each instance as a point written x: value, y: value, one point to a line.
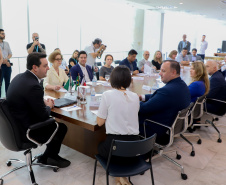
x: 180, y: 3
x: 165, y: 7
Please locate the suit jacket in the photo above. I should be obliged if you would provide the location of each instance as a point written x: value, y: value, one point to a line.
x: 197, y: 58
x: 217, y: 91
x: 163, y: 106
x: 180, y: 46
x: 75, y: 70
x: 25, y: 100
x: 142, y: 62
x: 53, y: 78
x: 127, y: 63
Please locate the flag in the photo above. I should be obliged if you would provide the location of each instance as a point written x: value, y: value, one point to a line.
x: 77, y: 82
x: 83, y: 82
x: 69, y: 84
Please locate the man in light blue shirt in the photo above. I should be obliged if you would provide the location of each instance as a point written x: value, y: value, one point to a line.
x: 182, y: 58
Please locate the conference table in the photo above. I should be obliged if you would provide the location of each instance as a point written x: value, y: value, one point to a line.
x: 84, y: 134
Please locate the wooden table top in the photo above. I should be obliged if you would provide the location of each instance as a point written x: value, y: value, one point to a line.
x: 85, y: 118
x: 220, y: 54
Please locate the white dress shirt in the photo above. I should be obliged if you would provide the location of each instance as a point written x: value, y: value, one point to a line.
x: 90, y: 59
x: 203, y: 47
x: 84, y: 71
x: 120, y: 109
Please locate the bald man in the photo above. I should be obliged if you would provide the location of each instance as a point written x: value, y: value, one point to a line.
x: 217, y: 86
x: 36, y: 46
x: 144, y: 61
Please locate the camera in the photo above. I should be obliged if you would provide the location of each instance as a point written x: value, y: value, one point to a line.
x: 36, y: 38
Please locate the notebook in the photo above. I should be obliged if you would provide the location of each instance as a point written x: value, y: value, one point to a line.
x: 63, y: 102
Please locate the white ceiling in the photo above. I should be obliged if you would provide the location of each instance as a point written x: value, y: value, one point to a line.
x: 208, y: 8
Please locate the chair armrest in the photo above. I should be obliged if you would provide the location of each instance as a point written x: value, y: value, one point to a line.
x: 40, y: 125
x: 212, y: 99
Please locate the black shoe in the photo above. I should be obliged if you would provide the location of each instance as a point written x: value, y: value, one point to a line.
x: 55, y: 161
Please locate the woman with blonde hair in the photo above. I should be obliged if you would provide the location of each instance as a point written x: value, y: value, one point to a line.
x: 200, y: 84
x: 74, y: 59
x: 172, y: 55
x: 56, y: 77
x: 157, y: 61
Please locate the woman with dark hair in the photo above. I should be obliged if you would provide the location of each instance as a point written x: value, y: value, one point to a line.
x: 74, y: 59
x: 107, y: 68
x: 119, y: 112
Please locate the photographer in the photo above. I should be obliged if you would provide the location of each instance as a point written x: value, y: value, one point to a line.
x: 36, y: 46
x: 6, y: 65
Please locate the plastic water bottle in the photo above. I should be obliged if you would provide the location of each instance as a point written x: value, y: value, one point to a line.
x: 94, y: 81
x: 93, y: 93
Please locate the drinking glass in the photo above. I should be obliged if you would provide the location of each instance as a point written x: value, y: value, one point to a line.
x: 82, y: 94
x: 107, y: 77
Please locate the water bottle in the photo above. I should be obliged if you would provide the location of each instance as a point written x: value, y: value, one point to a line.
x: 93, y: 93
x: 94, y: 81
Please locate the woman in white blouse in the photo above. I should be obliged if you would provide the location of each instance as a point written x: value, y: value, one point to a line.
x: 119, y: 112
x: 56, y: 77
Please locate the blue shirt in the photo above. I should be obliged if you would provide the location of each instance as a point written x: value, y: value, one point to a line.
x: 196, y: 89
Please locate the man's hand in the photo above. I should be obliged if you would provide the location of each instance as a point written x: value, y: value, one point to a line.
x: 140, y: 97
x: 5, y: 61
x: 49, y: 102
x: 96, y: 69
x: 36, y: 43
x: 135, y: 72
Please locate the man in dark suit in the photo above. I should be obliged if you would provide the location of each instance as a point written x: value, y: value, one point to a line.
x: 82, y: 69
x: 131, y: 62
x: 184, y: 44
x: 26, y: 103
x: 217, y: 87
x: 163, y: 105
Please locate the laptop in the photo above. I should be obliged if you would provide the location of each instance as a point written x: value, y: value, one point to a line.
x: 61, y: 102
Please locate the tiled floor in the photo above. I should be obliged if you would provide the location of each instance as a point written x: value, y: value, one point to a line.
x: 208, y: 167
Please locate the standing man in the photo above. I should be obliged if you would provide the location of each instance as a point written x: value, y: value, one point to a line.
x: 94, y: 51
x: 27, y: 106
x: 203, y: 47
x: 131, y: 62
x: 6, y: 65
x: 36, y: 46
x: 1, y: 61
x: 144, y: 61
x: 184, y: 44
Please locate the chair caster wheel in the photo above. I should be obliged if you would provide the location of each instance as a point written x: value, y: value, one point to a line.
x: 142, y: 173
x: 219, y: 140
x: 193, y: 153
x: 178, y: 156
x: 184, y: 176
x: 55, y: 169
x: 9, y: 163
x: 1, y: 181
x: 199, y: 142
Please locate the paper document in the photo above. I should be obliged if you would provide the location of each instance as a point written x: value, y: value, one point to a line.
x: 94, y: 111
x: 62, y: 90
x: 71, y: 108
x: 147, y: 69
x: 49, y: 97
x: 138, y: 78
x: 141, y: 74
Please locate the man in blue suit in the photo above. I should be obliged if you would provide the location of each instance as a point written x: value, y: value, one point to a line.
x: 163, y: 105
x: 217, y: 87
x: 131, y: 61
x: 81, y: 69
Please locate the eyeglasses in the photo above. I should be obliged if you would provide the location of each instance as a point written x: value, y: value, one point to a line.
x: 59, y: 59
x: 2, y: 33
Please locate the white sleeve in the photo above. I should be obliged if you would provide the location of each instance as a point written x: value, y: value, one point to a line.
x: 103, y: 109
x: 89, y: 50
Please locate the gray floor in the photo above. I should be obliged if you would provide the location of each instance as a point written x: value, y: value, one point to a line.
x: 206, y: 168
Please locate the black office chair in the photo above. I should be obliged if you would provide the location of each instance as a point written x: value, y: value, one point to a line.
x: 128, y: 149
x: 117, y: 62
x: 98, y: 64
x: 11, y: 138
x: 178, y: 127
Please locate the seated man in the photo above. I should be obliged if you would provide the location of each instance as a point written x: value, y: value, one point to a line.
x: 130, y: 62
x: 182, y: 58
x: 194, y: 57
x: 144, y: 61
x: 163, y: 105
x: 27, y: 106
x: 217, y: 87
x: 81, y: 69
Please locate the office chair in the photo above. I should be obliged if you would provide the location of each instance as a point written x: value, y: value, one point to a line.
x: 196, y: 111
x: 117, y: 62
x: 98, y: 64
x: 178, y: 127
x: 11, y: 139
x: 131, y: 150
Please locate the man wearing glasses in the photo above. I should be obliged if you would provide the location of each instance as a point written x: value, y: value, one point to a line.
x: 144, y: 61
x: 36, y: 46
x: 6, y: 65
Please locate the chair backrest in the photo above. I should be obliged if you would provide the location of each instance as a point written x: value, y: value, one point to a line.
x: 10, y: 135
x: 181, y: 121
x: 132, y: 148
x: 197, y: 110
x: 99, y: 63
x: 117, y: 62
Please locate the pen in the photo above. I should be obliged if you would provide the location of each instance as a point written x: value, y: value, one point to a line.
x: 71, y: 107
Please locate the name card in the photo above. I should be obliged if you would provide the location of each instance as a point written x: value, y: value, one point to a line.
x: 146, y: 87
x: 94, y: 104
